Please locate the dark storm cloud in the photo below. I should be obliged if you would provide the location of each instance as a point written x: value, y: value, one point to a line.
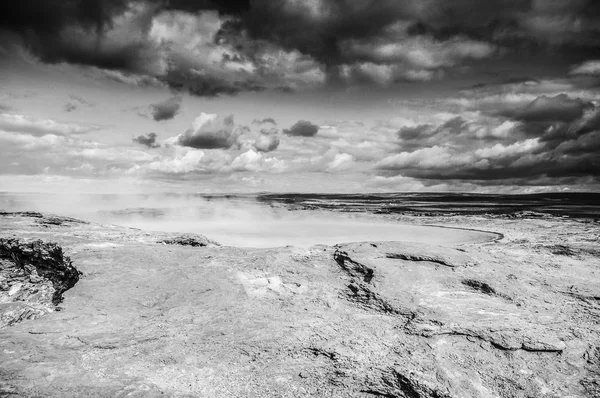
x: 424, y: 135
x: 381, y: 42
x: 233, y: 7
x: 575, y: 134
x: 317, y: 30
x: 319, y: 27
x: 166, y: 110
x: 518, y: 171
x: 207, y: 86
x: 148, y: 140
x: 509, y: 81
x: 557, y: 119
x: 302, y: 128
x: 549, y: 109
x: 570, y: 161
x: 43, y: 26
x: 552, y: 137
x: 210, y: 132
x: 205, y: 141
x: 50, y: 17
x: 521, y: 24
x: 78, y: 32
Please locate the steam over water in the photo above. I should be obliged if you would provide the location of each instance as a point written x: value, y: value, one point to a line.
x: 240, y: 221
x: 271, y: 229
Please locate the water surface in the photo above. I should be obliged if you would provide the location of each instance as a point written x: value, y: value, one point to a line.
x: 305, y: 229
x: 247, y: 221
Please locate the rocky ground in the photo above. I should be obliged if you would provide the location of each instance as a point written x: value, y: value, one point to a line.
x: 180, y: 316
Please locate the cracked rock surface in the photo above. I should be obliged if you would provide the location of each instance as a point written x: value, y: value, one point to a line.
x: 502, y: 318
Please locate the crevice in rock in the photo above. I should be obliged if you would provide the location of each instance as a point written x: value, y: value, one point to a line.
x: 485, y: 288
x: 419, y: 257
x: 363, y: 296
x: 320, y: 352
x: 378, y: 393
x: 353, y: 268
x: 479, y: 286
x: 591, y: 382
x: 360, y: 292
x: 528, y: 348
x: 561, y: 250
x: 588, y: 299
x: 393, y: 383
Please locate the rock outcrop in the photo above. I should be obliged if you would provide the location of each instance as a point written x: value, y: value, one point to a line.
x: 192, y: 240
x: 33, y: 277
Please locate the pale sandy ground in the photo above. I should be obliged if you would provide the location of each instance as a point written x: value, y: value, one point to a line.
x: 501, y: 318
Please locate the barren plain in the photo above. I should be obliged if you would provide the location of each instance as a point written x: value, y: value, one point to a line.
x: 513, y: 313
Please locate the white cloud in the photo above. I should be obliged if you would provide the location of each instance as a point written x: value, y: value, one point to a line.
x: 398, y: 55
x: 255, y: 161
x: 501, y: 151
x: 421, y: 52
x: 261, y: 135
x: 187, y: 42
x: 30, y: 142
x: 428, y: 158
x: 27, y: 124
x: 85, y: 168
x: 396, y: 183
x: 588, y: 68
x: 369, y: 72
x: 341, y: 161
x: 385, y: 74
x: 112, y: 154
x: 505, y: 129
x: 266, y: 143
x: 178, y: 164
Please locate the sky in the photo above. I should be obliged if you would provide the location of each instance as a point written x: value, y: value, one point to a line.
x: 114, y: 96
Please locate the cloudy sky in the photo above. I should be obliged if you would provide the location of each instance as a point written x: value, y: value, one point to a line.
x: 300, y: 95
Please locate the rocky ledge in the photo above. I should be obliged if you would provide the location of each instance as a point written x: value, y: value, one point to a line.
x: 33, y: 277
